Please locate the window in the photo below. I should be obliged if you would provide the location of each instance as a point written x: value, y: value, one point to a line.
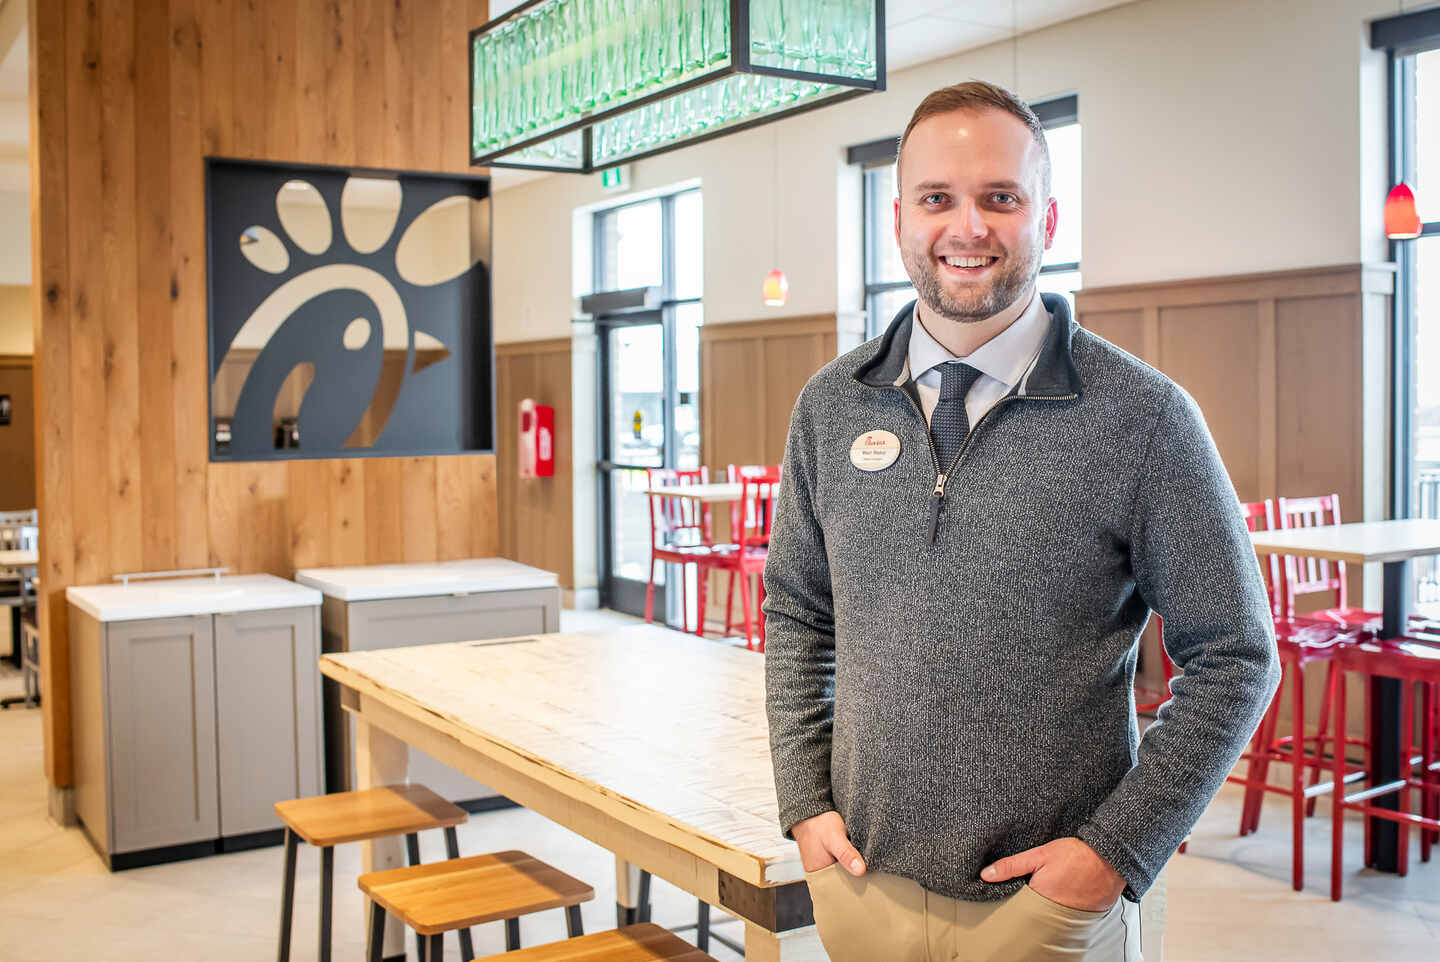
x: 1413, y: 41
x: 649, y: 368
x: 887, y: 286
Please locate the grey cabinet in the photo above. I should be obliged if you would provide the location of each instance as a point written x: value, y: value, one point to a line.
x: 267, y: 709
x: 189, y: 729
x: 160, y: 688
x: 425, y: 620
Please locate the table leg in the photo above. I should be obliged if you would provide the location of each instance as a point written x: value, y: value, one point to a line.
x: 797, y: 945
x: 629, y: 904
x: 381, y: 759
x: 1385, y: 719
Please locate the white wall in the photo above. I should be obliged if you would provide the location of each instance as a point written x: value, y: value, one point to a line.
x: 14, y: 237
x: 1221, y: 137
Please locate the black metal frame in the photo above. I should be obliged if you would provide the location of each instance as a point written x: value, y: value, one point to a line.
x: 739, y: 63
x: 663, y: 313
x: 1054, y: 113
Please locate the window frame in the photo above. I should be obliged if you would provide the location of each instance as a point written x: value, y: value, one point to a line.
x: 1053, y: 113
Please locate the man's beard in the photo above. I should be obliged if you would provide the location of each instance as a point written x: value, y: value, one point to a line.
x: 1009, y: 282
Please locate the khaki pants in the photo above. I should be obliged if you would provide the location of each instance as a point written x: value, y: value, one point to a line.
x: 885, y: 918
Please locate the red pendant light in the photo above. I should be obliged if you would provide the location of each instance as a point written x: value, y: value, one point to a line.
x: 1401, y: 220
x: 776, y: 289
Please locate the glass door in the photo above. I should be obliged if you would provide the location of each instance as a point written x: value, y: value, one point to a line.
x: 634, y: 436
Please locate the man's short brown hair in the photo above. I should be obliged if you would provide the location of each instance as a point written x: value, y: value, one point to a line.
x: 976, y: 95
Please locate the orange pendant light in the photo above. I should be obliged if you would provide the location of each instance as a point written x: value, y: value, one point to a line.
x: 1402, y: 222
x: 776, y: 289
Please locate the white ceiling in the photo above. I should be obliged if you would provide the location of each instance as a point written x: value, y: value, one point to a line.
x: 916, y: 31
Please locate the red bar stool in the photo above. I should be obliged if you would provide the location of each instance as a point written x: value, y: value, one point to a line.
x: 746, y: 555
x: 734, y: 473
x: 679, y: 534
x: 1304, y: 576
x: 1413, y: 662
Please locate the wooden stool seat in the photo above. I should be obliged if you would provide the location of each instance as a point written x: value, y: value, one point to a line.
x: 326, y: 820
x: 634, y: 943
x: 461, y: 892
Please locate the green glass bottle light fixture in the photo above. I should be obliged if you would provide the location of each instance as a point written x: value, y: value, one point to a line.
x: 578, y: 85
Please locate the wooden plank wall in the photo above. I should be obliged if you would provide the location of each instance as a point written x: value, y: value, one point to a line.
x: 751, y: 372
x: 131, y: 95
x: 1290, y: 370
x: 17, y: 439
x: 536, y: 515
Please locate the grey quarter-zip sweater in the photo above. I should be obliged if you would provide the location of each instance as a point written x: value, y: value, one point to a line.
x: 950, y: 654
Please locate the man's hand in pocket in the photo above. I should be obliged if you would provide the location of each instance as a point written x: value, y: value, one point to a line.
x: 823, y: 842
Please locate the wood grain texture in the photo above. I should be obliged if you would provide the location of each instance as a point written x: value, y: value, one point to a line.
x: 536, y: 515
x: 340, y: 817
x: 17, y: 439
x: 461, y: 892
x: 751, y: 372
x: 576, y: 712
x: 633, y: 943
x: 132, y: 96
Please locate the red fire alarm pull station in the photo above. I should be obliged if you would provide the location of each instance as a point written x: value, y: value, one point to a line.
x: 537, y: 440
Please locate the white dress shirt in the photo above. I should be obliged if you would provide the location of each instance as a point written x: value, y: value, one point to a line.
x: 1002, y: 361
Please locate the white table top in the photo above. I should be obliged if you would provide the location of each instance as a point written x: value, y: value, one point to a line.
x: 174, y: 597
x: 609, y: 719
x: 468, y: 576
x: 707, y: 493
x: 19, y: 559
x: 1362, y: 542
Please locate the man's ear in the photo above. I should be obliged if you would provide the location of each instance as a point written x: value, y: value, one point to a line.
x: 1052, y: 220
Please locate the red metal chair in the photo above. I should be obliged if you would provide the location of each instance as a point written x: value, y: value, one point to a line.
x: 680, y: 533
x: 734, y: 473
x: 1300, y: 642
x: 1304, y: 576
x: 746, y: 555
x: 1413, y: 662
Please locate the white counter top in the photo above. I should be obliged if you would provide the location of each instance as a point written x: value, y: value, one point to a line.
x: 173, y: 597
x: 19, y: 559
x: 373, y: 582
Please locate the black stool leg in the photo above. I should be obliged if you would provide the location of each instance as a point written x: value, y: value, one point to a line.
x: 412, y: 849
x: 573, y: 925
x: 287, y: 894
x: 512, y: 935
x: 702, y: 928
x: 375, y: 947
x: 644, y: 908
x: 327, y: 898
x: 437, y: 948
x: 452, y: 850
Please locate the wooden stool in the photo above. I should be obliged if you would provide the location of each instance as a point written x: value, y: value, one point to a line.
x: 456, y: 894
x: 328, y: 820
x: 634, y: 943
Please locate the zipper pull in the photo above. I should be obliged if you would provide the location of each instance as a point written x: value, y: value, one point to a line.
x: 935, y: 497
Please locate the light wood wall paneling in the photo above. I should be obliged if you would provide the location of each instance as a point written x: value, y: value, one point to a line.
x: 17, y: 439
x: 1289, y: 368
x: 536, y: 517
x: 131, y: 96
x: 51, y: 303
x: 751, y: 373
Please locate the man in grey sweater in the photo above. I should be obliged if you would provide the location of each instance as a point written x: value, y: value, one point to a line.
x: 979, y: 510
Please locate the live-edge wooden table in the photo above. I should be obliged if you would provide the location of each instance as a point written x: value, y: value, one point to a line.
x: 608, y: 734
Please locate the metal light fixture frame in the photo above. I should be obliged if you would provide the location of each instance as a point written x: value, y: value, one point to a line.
x: 739, y: 63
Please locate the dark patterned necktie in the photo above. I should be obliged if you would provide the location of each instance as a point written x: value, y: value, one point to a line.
x: 949, y: 423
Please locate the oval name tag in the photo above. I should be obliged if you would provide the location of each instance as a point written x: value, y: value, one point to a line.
x: 874, y: 450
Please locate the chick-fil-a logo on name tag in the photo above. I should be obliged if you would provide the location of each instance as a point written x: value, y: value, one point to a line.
x: 874, y: 450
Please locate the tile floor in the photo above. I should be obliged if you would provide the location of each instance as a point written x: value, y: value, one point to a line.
x: 1229, y: 898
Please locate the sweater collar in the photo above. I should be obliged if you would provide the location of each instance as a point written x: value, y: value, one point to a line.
x: 1052, y: 375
